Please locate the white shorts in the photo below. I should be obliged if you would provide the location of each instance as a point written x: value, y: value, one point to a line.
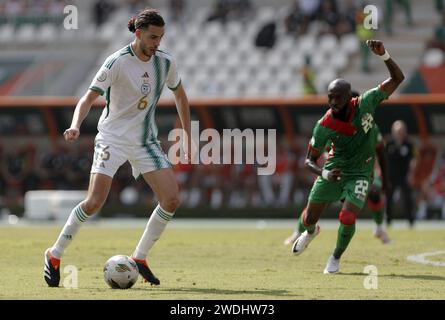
x: 108, y: 157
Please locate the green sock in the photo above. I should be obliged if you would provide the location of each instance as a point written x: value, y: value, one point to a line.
x: 302, y: 227
x: 378, y: 216
x: 344, y: 236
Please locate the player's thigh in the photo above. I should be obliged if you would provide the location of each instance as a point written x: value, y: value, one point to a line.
x: 163, y: 183
x: 324, y: 191
x: 356, y: 190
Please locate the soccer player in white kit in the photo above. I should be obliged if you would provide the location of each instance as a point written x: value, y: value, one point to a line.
x: 132, y: 80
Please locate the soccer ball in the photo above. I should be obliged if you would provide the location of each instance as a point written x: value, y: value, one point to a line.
x: 121, y: 272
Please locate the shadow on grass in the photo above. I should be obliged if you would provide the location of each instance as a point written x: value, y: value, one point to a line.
x: 392, y: 275
x: 209, y: 291
x: 265, y: 292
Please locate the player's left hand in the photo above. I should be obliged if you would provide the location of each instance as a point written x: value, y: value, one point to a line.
x: 376, y: 46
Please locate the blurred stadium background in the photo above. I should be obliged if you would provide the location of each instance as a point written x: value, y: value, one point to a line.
x: 244, y: 64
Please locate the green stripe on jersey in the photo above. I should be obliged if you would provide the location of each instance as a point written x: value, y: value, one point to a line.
x: 131, y: 49
x: 108, y: 98
x: 162, y: 67
x: 147, y: 119
x: 113, y: 59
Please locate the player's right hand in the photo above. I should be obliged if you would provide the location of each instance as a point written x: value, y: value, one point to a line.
x: 71, y: 134
x: 334, y: 175
x: 376, y: 46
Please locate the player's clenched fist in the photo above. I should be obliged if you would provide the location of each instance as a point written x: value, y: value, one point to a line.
x: 376, y: 46
x: 71, y: 134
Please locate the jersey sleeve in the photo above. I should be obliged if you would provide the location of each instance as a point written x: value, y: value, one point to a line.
x: 320, y: 138
x: 104, y: 77
x: 370, y: 99
x: 173, y: 80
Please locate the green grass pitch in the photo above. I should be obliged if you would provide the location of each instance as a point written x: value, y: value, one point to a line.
x: 225, y: 264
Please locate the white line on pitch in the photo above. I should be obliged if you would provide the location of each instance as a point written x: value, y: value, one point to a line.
x: 421, y: 258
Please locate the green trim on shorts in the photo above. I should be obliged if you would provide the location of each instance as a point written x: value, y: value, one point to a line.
x: 154, y: 157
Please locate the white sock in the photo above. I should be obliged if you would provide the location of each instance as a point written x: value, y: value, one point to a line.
x: 378, y: 228
x: 421, y: 211
x: 155, y: 226
x: 72, y: 226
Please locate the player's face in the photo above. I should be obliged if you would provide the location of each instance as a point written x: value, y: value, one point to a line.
x: 151, y: 39
x: 338, y: 99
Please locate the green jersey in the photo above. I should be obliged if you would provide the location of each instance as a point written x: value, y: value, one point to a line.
x: 352, y: 142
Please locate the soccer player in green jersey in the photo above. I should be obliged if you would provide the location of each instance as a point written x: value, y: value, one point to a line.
x: 379, y: 184
x: 346, y: 127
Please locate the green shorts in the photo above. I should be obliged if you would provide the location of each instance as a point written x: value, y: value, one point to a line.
x: 353, y: 189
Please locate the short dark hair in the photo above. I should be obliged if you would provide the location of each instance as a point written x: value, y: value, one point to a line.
x: 144, y: 19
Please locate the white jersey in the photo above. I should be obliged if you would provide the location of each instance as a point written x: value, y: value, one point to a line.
x: 132, y: 89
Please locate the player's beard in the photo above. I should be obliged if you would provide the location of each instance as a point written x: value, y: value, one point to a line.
x: 147, y: 51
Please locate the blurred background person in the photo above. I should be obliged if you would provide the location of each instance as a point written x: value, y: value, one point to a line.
x: 389, y: 13
x: 421, y: 177
x: 401, y: 159
x: 308, y: 77
x: 363, y: 34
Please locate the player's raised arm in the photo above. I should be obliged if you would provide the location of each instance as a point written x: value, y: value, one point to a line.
x: 396, y: 75
x: 80, y: 113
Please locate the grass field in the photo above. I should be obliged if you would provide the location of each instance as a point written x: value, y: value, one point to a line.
x: 225, y: 264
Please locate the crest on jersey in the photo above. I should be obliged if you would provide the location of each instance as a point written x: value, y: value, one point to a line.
x: 102, y: 76
x: 145, y: 89
x: 367, y: 122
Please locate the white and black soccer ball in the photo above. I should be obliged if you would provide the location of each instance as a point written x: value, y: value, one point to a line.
x: 121, y: 272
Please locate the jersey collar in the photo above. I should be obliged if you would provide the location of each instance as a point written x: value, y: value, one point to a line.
x: 343, y: 127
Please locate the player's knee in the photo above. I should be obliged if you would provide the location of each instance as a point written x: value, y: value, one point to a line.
x: 347, y: 217
x: 171, y: 203
x: 376, y: 205
x: 92, y: 205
